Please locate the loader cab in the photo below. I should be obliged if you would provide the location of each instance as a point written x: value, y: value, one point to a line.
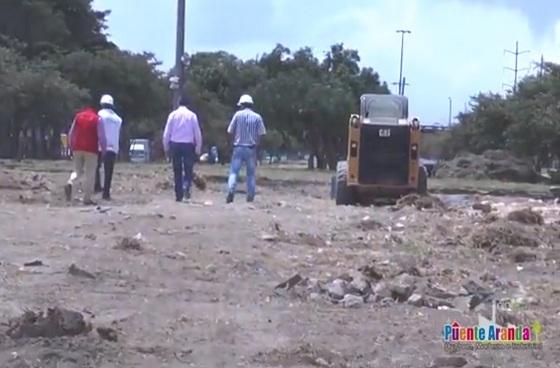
x: 383, y: 153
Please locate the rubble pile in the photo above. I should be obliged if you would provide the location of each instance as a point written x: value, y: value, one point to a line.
x: 492, y: 164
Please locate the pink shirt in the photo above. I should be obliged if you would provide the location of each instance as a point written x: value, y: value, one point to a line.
x: 182, y: 127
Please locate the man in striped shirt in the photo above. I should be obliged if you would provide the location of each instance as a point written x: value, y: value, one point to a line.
x: 246, y: 128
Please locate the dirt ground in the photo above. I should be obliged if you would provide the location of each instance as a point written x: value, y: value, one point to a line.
x: 166, y: 284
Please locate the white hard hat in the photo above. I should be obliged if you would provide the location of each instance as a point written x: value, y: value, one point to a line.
x: 245, y: 99
x: 107, y: 100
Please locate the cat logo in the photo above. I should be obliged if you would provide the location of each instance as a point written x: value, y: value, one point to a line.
x: 384, y: 133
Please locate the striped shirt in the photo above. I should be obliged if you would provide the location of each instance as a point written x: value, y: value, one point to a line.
x: 246, y: 127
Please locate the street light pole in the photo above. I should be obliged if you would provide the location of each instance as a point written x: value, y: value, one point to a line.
x: 450, y: 110
x: 180, y: 51
x: 401, y: 86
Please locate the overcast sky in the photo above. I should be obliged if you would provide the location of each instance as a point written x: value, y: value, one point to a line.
x: 456, y: 48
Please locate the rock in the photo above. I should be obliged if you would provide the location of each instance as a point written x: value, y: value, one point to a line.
x: 439, y: 293
x: 337, y: 289
x: 58, y: 322
x: 91, y: 237
x: 314, y: 286
x: 449, y: 362
x: 78, y: 272
x: 521, y: 256
x: 351, y: 301
x: 555, y: 191
x: 387, y: 302
x: 526, y: 216
x: 381, y: 291
x: 416, y: 300
x: 483, y: 207
x: 290, y: 283
x: 36, y: 263
x: 359, y: 286
x: 402, y: 287
x: 269, y: 237
x: 107, y: 334
x: 130, y: 243
x: 199, y: 181
x: 368, y: 224
x: 371, y: 272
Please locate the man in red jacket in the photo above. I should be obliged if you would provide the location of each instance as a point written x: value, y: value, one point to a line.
x: 84, y: 141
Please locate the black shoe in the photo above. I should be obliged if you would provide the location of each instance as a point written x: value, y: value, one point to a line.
x: 187, y: 195
x: 229, y: 198
x: 68, y: 192
x: 106, y: 197
x: 250, y: 200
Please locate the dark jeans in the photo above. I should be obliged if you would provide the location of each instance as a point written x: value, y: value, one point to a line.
x: 184, y: 157
x: 108, y: 167
x: 97, y: 175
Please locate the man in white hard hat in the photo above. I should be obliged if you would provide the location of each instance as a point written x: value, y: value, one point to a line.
x: 109, y: 141
x: 246, y: 128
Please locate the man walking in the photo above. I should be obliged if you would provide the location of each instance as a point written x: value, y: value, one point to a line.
x: 246, y: 128
x: 109, y: 141
x: 84, y: 142
x: 182, y: 141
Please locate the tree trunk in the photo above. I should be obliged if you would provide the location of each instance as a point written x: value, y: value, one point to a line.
x: 56, y: 144
x: 311, y: 162
x: 321, y: 162
x: 43, y: 144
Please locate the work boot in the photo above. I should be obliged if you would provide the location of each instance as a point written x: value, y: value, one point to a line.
x: 250, y: 199
x: 68, y: 192
x: 106, y: 197
x: 229, y: 198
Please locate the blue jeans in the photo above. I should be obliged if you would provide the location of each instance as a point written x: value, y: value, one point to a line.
x: 184, y: 156
x: 243, y: 156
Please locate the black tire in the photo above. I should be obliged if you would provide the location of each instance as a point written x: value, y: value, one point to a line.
x: 344, y: 194
x: 422, y: 181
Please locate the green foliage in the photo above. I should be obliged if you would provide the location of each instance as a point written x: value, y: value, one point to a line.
x: 64, y: 61
x: 527, y: 122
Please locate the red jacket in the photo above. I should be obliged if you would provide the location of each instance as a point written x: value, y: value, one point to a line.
x: 83, y: 134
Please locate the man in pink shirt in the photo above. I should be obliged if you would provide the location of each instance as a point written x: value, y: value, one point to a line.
x: 182, y: 141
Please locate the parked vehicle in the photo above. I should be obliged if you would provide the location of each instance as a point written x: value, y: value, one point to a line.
x: 140, y: 151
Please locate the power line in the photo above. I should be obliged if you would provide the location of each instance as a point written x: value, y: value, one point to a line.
x: 516, y: 70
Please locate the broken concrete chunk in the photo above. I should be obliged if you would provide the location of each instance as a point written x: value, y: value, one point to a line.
x: 58, y: 322
x: 337, y: 289
x: 521, y: 256
x: 416, y: 300
x: 351, y: 301
x: 402, y: 287
x: 78, y: 272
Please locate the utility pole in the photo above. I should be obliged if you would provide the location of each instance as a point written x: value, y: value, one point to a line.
x: 405, y: 83
x: 179, y: 54
x: 450, y: 110
x: 516, y: 69
x: 401, y: 85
